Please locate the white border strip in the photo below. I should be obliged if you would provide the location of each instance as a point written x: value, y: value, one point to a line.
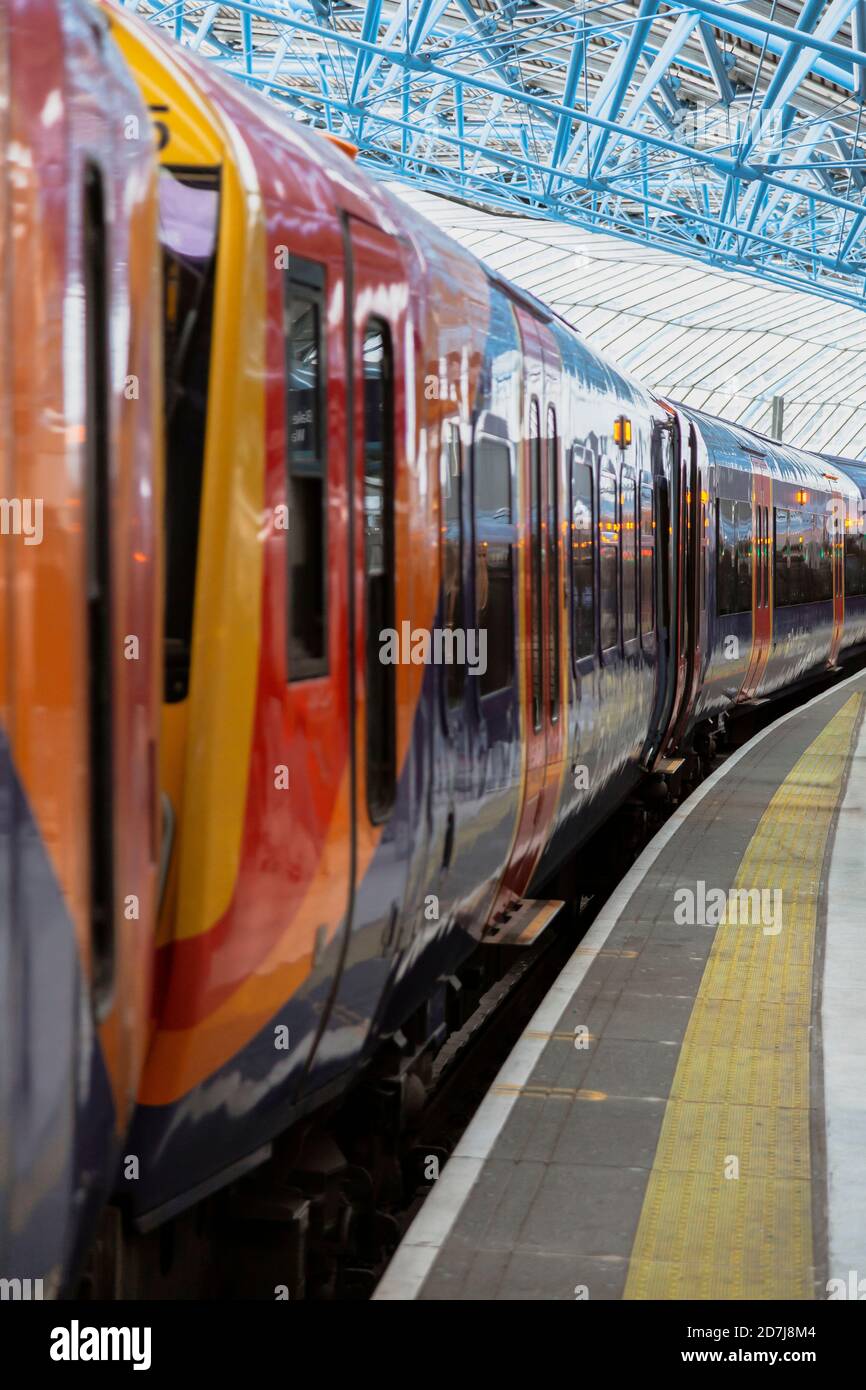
x: 416, y: 1254
x: 843, y: 1028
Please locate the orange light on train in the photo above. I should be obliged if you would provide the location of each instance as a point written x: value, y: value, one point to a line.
x: 801, y: 496
x: 622, y: 431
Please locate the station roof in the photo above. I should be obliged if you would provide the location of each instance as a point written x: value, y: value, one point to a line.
x: 706, y: 337
x: 728, y: 132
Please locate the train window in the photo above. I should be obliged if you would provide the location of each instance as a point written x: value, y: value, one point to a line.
x: 494, y: 594
x: 745, y: 544
x: 704, y: 550
x: 855, y: 563
x: 628, y: 500
x: 582, y: 558
x: 780, y: 557
x: 801, y: 550
x: 824, y: 544
x: 536, y: 605
x: 97, y: 488
x: 810, y: 557
x: 813, y: 548
x: 608, y: 541
x: 307, y: 476
x: 553, y: 591
x: 189, y: 219
x: 798, y: 571
x: 647, y: 556
x: 379, y: 566
x: 762, y: 577
x: 452, y: 551
x: 726, y: 557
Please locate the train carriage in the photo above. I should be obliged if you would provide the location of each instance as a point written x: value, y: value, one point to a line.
x: 349, y: 813
x: 774, y: 523
x: 80, y: 621
x: 443, y: 589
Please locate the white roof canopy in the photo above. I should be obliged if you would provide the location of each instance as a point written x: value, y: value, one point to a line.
x: 719, y: 341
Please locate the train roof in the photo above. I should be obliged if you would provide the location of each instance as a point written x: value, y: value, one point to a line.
x: 598, y: 372
x: 735, y: 446
x: 855, y: 469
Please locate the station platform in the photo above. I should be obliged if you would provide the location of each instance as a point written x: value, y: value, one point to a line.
x: 684, y: 1117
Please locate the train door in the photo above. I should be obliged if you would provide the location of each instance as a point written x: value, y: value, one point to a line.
x: 762, y: 620
x: 837, y: 523
x: 381, y: 673
x: 691, y: 578
x: 699, y: 558
x: 555, y: 640
x: 10, y: 1043
x: 666, y: 488
x: 541, y: 714
x: 456, y: 556
x: 686, y: 569
x: 533, y: 609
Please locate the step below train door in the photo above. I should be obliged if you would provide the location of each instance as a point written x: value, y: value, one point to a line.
x: 386, y: 683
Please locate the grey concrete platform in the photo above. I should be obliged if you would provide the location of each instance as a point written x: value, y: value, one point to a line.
x: 544, y: 1194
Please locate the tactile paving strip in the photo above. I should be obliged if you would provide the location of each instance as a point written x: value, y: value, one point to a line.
x: 727, y: 1210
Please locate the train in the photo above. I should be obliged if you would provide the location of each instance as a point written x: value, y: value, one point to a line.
x: 366, y: 593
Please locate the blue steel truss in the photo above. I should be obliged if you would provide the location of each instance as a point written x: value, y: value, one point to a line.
x: 731, y: 133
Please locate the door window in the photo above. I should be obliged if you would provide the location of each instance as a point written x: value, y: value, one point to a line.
x: 608, y: 540
x: 582, y: 557
x: 379, y: 566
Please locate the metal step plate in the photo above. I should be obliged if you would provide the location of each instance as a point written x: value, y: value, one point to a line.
x: 522, y: 922
x: 668, y: 765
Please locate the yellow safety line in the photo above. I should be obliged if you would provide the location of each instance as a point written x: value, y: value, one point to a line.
x: 739, y: 1102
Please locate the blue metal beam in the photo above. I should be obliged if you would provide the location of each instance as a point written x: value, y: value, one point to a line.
x: 858, y: 41
x: 629, y: 123
x: 716, y: 62
x: 627, y: 62
x: 572, y: 77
